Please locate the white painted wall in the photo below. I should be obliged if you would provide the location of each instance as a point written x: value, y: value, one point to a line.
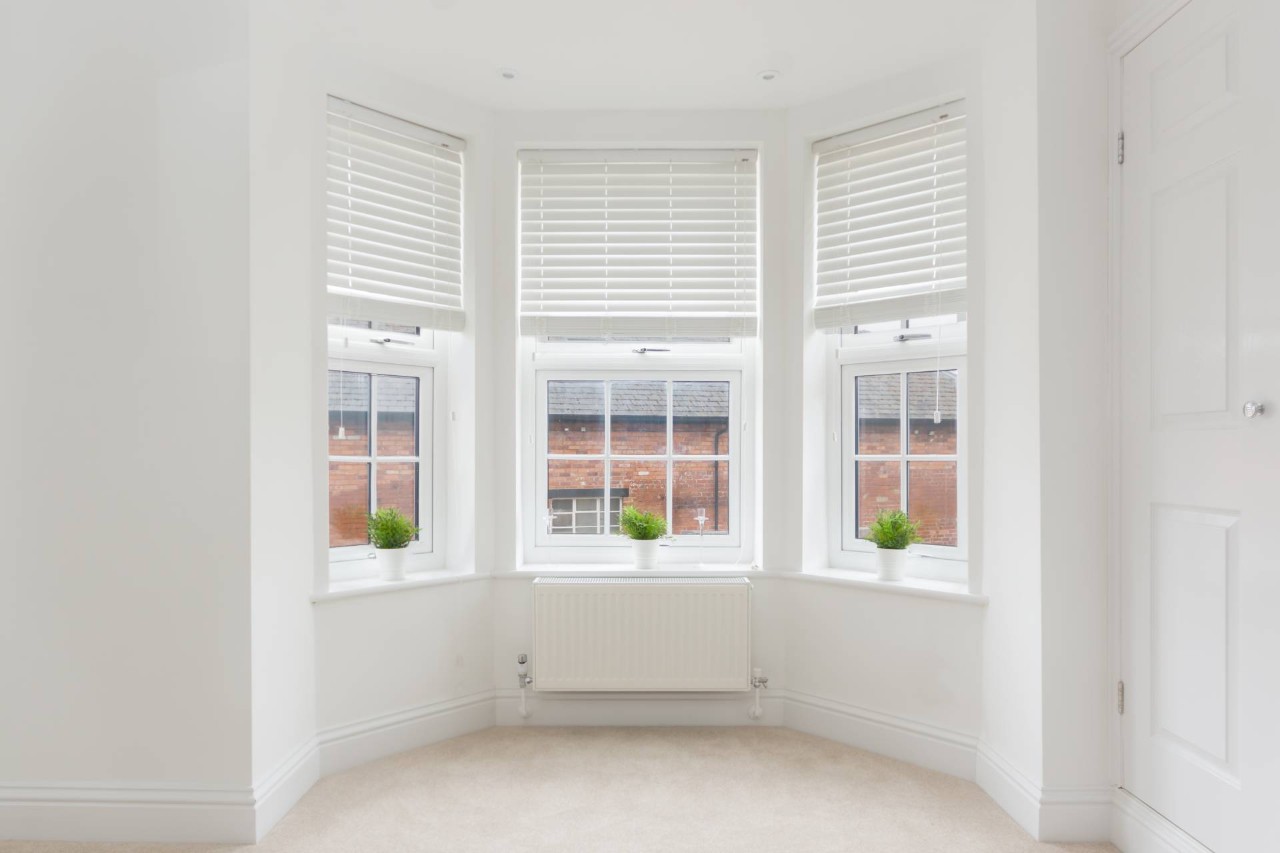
x: 1075, y: 152
x: 284, y: 325
x: 1012, y: 695
x: 124, y: 613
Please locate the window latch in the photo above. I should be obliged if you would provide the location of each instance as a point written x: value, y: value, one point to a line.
x: 918, y: 336
x: 643, y: 350
x: 385, y: 341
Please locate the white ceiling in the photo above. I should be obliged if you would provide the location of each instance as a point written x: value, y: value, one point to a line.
x: 652, y: 54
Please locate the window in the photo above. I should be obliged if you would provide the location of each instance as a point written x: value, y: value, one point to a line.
x: 380, y: 455
x: 890, y: 278
x: 903, y: 448
x: 659, y: 442
x: 394, y: 250
x: 638, y: 300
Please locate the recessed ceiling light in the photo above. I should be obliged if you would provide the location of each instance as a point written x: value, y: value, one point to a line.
x: 769, y: 76
x: 507, y: 73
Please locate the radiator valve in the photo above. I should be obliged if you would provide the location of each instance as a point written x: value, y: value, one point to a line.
x: 522, y: 671
x: 758, y: 678
x: 758, y: 681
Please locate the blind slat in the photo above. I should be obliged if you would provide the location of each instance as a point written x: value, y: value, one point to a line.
x: 638, y: 243
x: 393, y: 220
x: 890, y: 215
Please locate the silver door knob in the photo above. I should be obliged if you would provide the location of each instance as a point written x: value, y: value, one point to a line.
x: 1252, y: 409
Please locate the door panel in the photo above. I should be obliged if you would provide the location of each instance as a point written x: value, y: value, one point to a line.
x: 1199, y: 323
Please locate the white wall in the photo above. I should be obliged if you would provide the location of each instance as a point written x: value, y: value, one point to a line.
x: 1012, y: 696
x: 124, y: 614
x: 284, y: 324
x: 1075, y: 391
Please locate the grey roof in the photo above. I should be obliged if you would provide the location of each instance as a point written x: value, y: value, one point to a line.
x: 350, y: 392
x: 585, y: 398
x: 879, y: 396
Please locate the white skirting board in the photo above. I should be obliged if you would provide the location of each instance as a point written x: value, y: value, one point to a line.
x: 346, y: 746
x: 1137, y: 828
x: 121, y: 814
x: 1047, y: 814
x: 898, y: 737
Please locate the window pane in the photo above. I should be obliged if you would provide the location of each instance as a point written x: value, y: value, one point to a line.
x: 348, y: 503
x: 701, y: 418
x: 879, y: 412
x: 926, y: 393
x: 638, y: 417
x: 377, y: 327
x: 641, y: 483
x: 397, y: 416
x: 931, y: 501
x: 348, y: 413
x: 398, y: 487
x: 700, y: 489
x: 571, y: 485
x: 575, y: 417
x: 878, y: 487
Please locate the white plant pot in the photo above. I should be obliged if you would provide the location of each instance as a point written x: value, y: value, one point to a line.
x: 646, y: 554
x: 891, y: 563
x: 391, y: 563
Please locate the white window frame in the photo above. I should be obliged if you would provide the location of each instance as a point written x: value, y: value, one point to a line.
x: 880, y: 354
x: 356, y: 350
x: 728, y: 361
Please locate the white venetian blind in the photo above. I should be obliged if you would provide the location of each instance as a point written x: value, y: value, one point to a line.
x: 890, y: 211
x: 393, y: 220
x: 620, y: 244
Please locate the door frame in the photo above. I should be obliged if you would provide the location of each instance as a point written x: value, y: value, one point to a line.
x: 1131, y: 32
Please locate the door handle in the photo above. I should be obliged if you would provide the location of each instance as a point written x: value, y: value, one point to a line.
x: 1252, y: 409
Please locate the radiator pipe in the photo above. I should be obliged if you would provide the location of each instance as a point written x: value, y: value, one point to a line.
x: 715, y: 487
x: 522, y: 675
x: 758, y: 681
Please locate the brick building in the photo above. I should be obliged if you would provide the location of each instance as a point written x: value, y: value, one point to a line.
x: 639, y: 410
x: 932, y: 485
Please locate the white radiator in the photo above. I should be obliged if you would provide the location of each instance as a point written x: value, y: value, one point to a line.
x: 635, y: 634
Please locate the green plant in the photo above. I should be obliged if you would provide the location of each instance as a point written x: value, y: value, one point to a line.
x: 641, y: 525
x: 892, y: 530
x: 388, y: 528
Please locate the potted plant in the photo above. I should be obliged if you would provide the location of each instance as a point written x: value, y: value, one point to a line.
x: 644, y: 529
x: 892, y: 532
x: 390, y: 532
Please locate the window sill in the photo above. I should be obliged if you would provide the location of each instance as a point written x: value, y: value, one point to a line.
x: 918, y: 587
x: 597, y: 570
x: 374, y: 586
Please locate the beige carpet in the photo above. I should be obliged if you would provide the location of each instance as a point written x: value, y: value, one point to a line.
x: 618, y: 790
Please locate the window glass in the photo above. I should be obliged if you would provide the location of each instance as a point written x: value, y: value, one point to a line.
x: 931, y: 501
x: 700, y: 492
x: 879, y: 413
x: 638, y: 417
x: 348, y: 413
x: 575, y: 417
x: 641, y: 483
x: 397, y: 416
x: 700, y: 418
x: 931, y: 416
x: 348, y: 503
x: 879, y: 487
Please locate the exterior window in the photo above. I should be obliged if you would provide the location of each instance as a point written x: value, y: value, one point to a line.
x: 658, y: 442
x: 903, y: 440
x: 380, y: 455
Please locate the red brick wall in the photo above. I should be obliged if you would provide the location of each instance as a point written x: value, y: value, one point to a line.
x: 931, y: 487
x: 694, y: 483
x: 349, y: 481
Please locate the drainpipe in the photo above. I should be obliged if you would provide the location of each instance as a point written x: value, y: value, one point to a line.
x: 715, y: 483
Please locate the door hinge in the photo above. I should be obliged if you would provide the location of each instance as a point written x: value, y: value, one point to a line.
x: 1120, y: 148
x: 1119, y: 697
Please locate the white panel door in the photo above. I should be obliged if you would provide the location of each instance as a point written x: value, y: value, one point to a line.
x: 1199, y: 328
